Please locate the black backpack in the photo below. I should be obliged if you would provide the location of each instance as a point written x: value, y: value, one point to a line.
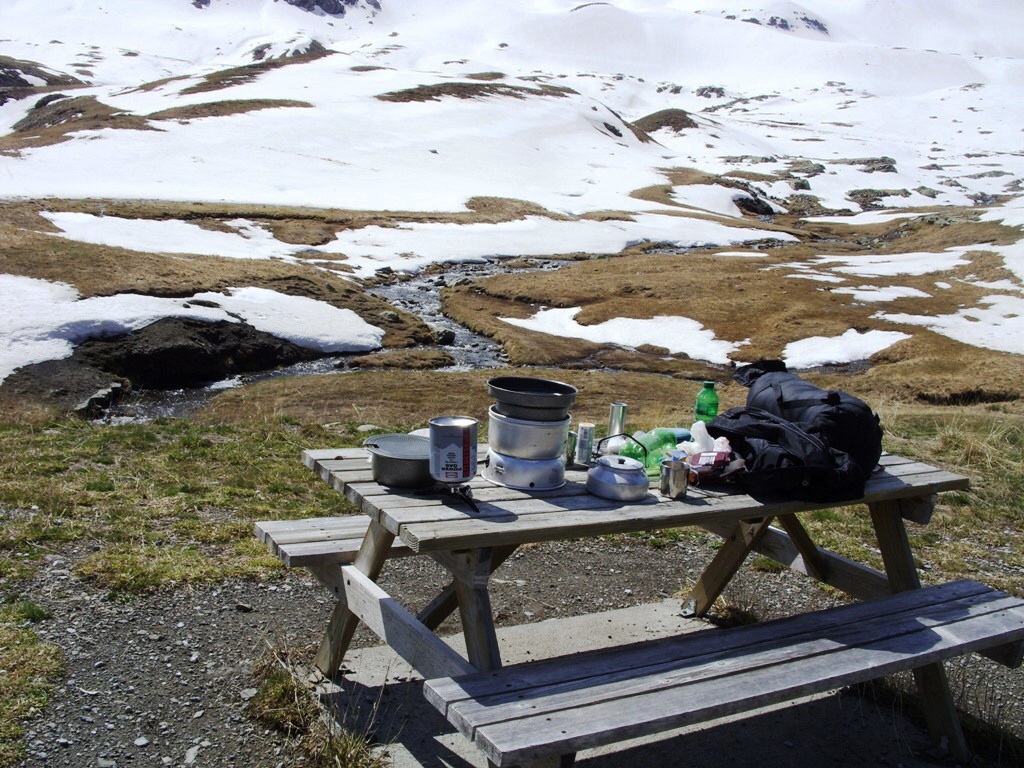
x: 799, y: 439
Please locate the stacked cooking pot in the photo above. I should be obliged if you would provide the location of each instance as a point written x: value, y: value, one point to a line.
x: 528, y: 429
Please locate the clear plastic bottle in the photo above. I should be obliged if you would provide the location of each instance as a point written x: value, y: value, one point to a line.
x: 706, y: 407
x: 657, y: 442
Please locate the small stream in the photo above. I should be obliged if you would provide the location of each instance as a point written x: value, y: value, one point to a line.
x: 419, y: 295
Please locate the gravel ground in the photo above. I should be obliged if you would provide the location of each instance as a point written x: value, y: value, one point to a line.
x: 163, y: 680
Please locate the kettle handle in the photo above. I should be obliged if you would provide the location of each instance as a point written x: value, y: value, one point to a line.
x: 628, y: 437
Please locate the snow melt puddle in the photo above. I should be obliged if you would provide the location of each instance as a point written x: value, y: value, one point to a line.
x: 676, y: 334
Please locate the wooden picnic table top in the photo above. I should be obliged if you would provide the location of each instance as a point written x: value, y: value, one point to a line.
x: 433, y: 521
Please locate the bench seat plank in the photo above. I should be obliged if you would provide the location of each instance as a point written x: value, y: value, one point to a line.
x: 557, y: 706
x: 324, y: 540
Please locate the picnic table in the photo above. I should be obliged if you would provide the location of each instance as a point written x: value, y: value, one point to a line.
x: 541, y: 712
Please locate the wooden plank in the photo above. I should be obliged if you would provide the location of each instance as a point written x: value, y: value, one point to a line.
x: 809, y: 553
x: 682, y: 647
x: 333, y: 552
x: 914, y: 632
x: 514, y: 741
x: 446, y: 602
x: 424, y: 651
x: 932, y: 685
x: 266, y: 530
x: 466, y: 532
x: 394, y: 512
x: 725, y: 682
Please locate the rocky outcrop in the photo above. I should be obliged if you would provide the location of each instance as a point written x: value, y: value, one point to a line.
x: 328, y: 7
x: 175, y: 352
x: 172, y: 353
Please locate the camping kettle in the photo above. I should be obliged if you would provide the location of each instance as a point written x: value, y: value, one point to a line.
x: 618, y: 478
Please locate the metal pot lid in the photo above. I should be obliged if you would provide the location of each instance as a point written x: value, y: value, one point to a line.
x: 621, y: 464
x: 396, y: 446
x: 531, y: 392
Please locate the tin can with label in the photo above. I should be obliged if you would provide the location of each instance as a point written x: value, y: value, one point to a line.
x: 453, y: 449
x: 584, y: 444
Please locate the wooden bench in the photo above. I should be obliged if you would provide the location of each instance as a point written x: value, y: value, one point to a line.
x: 319, y: 540
x: 540, y: 710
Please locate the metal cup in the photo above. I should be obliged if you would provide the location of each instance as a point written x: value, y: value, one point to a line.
x: 675, y: 478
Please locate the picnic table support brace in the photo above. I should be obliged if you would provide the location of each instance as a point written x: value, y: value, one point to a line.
x: 369, y: 561
x: 721, y: 569
x: 814, y: 562
x: 442, y: 606
x: 932, y: 685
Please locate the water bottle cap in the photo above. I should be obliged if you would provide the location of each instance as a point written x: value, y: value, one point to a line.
x: 709, y: 385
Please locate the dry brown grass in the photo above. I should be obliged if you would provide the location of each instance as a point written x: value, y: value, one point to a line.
x: 98, y: 270
x: 409, y: 398
x: 456, y: 90
x: 225, y: 108
x: 228, y: 78
x: 54, y: 123
x: 759, y: 300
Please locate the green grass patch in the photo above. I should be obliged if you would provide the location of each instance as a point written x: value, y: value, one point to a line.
x: 158, y: 505
x: 28, y: 669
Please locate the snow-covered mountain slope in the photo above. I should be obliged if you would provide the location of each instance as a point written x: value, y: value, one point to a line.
x: 575, y: 108
x: 927, y: 84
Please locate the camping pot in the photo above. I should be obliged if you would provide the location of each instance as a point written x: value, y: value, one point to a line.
x: 400, y: 461
x: 524, y: 397
x: 524, y: 474
x: 618, y: 478
x: 524, y: 439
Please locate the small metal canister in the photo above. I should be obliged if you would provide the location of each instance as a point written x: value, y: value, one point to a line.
x: 617, y: 419
x: 453, y: 449
x: 675, y: 477
x: 584, y: 444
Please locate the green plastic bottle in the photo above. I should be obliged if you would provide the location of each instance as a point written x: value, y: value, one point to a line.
x: 706, y: 407
x: 657, y: 442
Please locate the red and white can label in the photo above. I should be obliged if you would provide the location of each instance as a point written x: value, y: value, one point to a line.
x: 453, y: 449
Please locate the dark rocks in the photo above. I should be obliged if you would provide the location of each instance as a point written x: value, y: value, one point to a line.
x: 175, y: 352
x: 332, y: 7
x: 69, y: 384
x: 711, y: 92
x: 169, y: 354
x: 328, y: 7
x: 444, y: 336
x: 753, y: 205
x: 870, y: 199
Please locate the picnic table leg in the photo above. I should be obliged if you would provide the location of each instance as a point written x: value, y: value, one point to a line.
x: 370, y: 559
x: 723, y: 566
x: 442, y: 606
x: 475, y: 608
x: 932, y: 685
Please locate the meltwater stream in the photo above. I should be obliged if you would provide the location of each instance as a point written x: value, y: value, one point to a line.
x: 419, y: 295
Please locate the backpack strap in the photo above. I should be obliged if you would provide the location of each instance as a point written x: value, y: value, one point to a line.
x: 829, y: 398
